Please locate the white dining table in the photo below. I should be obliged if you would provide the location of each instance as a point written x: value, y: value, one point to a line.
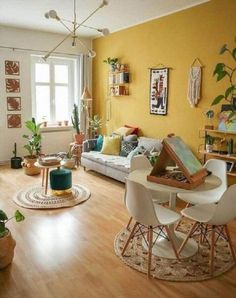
x: 163, y: 247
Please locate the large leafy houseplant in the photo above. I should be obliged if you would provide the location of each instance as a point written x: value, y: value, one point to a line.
x: 223, y: 71
x: 18, y: 216
x: 34, y: 139
x: 95, y: 123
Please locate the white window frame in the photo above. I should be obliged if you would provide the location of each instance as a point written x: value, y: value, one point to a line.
x: 72, y: 86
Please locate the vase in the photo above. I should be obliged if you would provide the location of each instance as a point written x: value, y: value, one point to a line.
x: 79, y: 138
x: 7, y: 246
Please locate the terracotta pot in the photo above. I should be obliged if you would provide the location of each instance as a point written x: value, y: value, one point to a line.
x: 79, y: 138
x: 7, y: 245
x: 29, y: 167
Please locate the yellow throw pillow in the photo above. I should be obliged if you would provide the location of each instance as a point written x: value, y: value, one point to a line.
x: 124, y: 131
x: 111, y: 145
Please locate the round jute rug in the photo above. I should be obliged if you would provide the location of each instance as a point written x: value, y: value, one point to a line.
x: 34, y: 198
x: 195, y: 268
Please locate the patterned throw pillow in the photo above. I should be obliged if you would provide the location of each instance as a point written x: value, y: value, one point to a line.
x: 127, y: 147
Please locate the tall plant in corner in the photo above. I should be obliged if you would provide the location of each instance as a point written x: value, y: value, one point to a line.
x: 223, y: 71
x: 78, y: 137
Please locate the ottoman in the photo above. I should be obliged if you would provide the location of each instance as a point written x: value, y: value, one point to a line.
x: 61, y: 181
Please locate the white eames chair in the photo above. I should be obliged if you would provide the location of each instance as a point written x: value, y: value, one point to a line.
x: 213, y: 218
x: 139, y: 162
x: 147, y: 216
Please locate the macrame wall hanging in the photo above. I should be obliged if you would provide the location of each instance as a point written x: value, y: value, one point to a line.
x: 194, y: 82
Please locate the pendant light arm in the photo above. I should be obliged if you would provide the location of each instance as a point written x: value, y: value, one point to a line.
x: 49, y: 53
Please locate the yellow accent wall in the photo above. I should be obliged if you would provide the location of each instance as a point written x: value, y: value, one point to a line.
x: 174, y: 40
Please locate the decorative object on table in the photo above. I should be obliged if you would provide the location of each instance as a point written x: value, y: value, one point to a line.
x: 95, y: 123
x: 112, y: 62
x: 12, y: 85
x: 68, y: 160
x: 33, y: 147
x: 7, y: 243
x: 52, y: 14
x: 14, y: 120
x: 49, y: 160
x: 16, y: 161
x: 194, y: 82
x: 12, y: 68
x: 210, y: 115
x: 33, y: 198
x: 158, y: 91
x: 13, y: 103
x: 195, y: 268
x: 227, y: 71
x: 209, y: 141
x: 79, y: 136
x: 190, y: 172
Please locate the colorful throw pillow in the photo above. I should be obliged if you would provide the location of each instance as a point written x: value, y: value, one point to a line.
x: 99, y: 142
x: 135, y: 129
x: 127, y: 147
x: 131, y: 138
x: 123, y: 131
x: 111, y: 145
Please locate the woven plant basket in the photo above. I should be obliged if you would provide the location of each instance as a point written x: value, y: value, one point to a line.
x: 29, y: 167
x: 7, y: 246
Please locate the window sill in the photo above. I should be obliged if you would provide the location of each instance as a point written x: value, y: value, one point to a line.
x: 56, y: 128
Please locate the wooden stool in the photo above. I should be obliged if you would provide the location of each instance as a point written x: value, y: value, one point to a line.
x: 76, y: 150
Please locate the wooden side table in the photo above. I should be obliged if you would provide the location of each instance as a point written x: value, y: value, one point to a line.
x: 76, y: 150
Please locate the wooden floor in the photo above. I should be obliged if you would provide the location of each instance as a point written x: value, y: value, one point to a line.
x: 68, y: 253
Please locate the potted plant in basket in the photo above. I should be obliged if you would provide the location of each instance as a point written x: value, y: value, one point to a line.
x: 7, y: 243
x: 33, y: 147
x: 79, y: 136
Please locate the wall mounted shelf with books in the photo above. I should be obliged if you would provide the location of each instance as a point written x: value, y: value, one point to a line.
x: 118, y: 82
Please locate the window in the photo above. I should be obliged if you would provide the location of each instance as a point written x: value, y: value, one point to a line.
x: 53, y: 88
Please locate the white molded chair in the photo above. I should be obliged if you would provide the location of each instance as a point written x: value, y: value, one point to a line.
x: 213, y: 218
x: 147, y: 215
x: 139, y: 162
x: 219, y: 169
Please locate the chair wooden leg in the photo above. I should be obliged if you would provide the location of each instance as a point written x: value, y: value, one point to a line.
x: 150, y: 237
x: 178, y: 224
x: 230, y: 241
x: 172, y: 242
x: 128, y: 240
x: 129, y: 222
x: 212, y: 249
x: 187, y: 237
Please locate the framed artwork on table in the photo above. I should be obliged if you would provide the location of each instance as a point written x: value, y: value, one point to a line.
x: 14, y: 120
x: 158, y: 91
x: 12, y: 68
x: 13, y: 103
x: 12, y: 85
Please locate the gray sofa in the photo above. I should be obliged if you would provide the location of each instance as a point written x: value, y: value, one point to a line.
x: 116, y: 167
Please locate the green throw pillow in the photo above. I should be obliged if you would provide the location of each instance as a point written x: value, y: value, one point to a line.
x: 99, y: 143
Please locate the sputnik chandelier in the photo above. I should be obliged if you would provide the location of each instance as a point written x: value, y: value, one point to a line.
x: 52, y: 14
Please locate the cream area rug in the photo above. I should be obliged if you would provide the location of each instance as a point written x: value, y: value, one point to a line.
x: 195, y: 268
x: 34, y: 198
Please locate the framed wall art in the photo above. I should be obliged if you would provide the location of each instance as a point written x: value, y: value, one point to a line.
x: 12, y: 85
x: 158, y: 91
x: 12, y: 68
x: 14, y: 120
x: 13, y: 103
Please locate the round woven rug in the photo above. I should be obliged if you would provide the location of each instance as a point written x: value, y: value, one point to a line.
x: 195, y: 268
x: 34, y: 198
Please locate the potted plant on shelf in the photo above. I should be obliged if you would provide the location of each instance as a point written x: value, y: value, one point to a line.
x: 7, y: 243
x: 209, y: 114
x: 95, y: 123
x: 209, y: 143
x: 16, y: 161
x: 79, y: 136
x: 112, y: 62
x: 33, y: 147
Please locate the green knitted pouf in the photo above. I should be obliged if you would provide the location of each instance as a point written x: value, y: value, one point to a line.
x: 60, y: 181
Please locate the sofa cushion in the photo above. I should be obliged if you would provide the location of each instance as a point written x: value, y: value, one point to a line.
x: 130, y: 138
x: 135, y: 129
x: 123, y: 131
x: 136, y: 151
x: 99, y: 143
x: 111, y: 145
x: 127, y: 147
x: 150, y: 144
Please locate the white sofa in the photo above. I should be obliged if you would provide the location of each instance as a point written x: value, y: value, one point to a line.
x: 116, y: 167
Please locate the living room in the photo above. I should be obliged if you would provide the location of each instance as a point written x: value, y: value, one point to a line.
x: 68, y: 252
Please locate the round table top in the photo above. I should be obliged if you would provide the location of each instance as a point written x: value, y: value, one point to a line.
x: 140, y: 176
x: 47, y: 166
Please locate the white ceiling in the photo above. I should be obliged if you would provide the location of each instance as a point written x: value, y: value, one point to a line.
x: 117, y: 15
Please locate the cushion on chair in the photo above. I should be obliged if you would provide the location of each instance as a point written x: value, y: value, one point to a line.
x: 60, y: 179
x: 111, y: 145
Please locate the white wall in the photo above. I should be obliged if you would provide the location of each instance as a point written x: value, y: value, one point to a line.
x: 29, y: 39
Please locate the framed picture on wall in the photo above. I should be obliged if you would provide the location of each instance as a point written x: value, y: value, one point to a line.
x: 12, y: 68
x: 158, y: 91
x: 14, y: 120
x: 12, y: 85
x: 13, y: 103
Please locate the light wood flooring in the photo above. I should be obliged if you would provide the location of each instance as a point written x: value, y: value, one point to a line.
x: 68, y: 253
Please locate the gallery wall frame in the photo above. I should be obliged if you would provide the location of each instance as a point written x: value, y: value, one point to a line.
x: 14, y: 120
x: 12, y: 68
x: 12, y: 85
x: 14, y: 103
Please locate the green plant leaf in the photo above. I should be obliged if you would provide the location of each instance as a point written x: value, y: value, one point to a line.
x: 221, y: 75
x: 219, y: 67
x: 3, y: 216
x: 234, y: 53
x: 229, y: 91
x: 217, y: 100
x: 19, y: 216
x: 223, y: 49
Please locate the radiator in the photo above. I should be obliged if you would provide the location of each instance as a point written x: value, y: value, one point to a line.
x: 56, y: 141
